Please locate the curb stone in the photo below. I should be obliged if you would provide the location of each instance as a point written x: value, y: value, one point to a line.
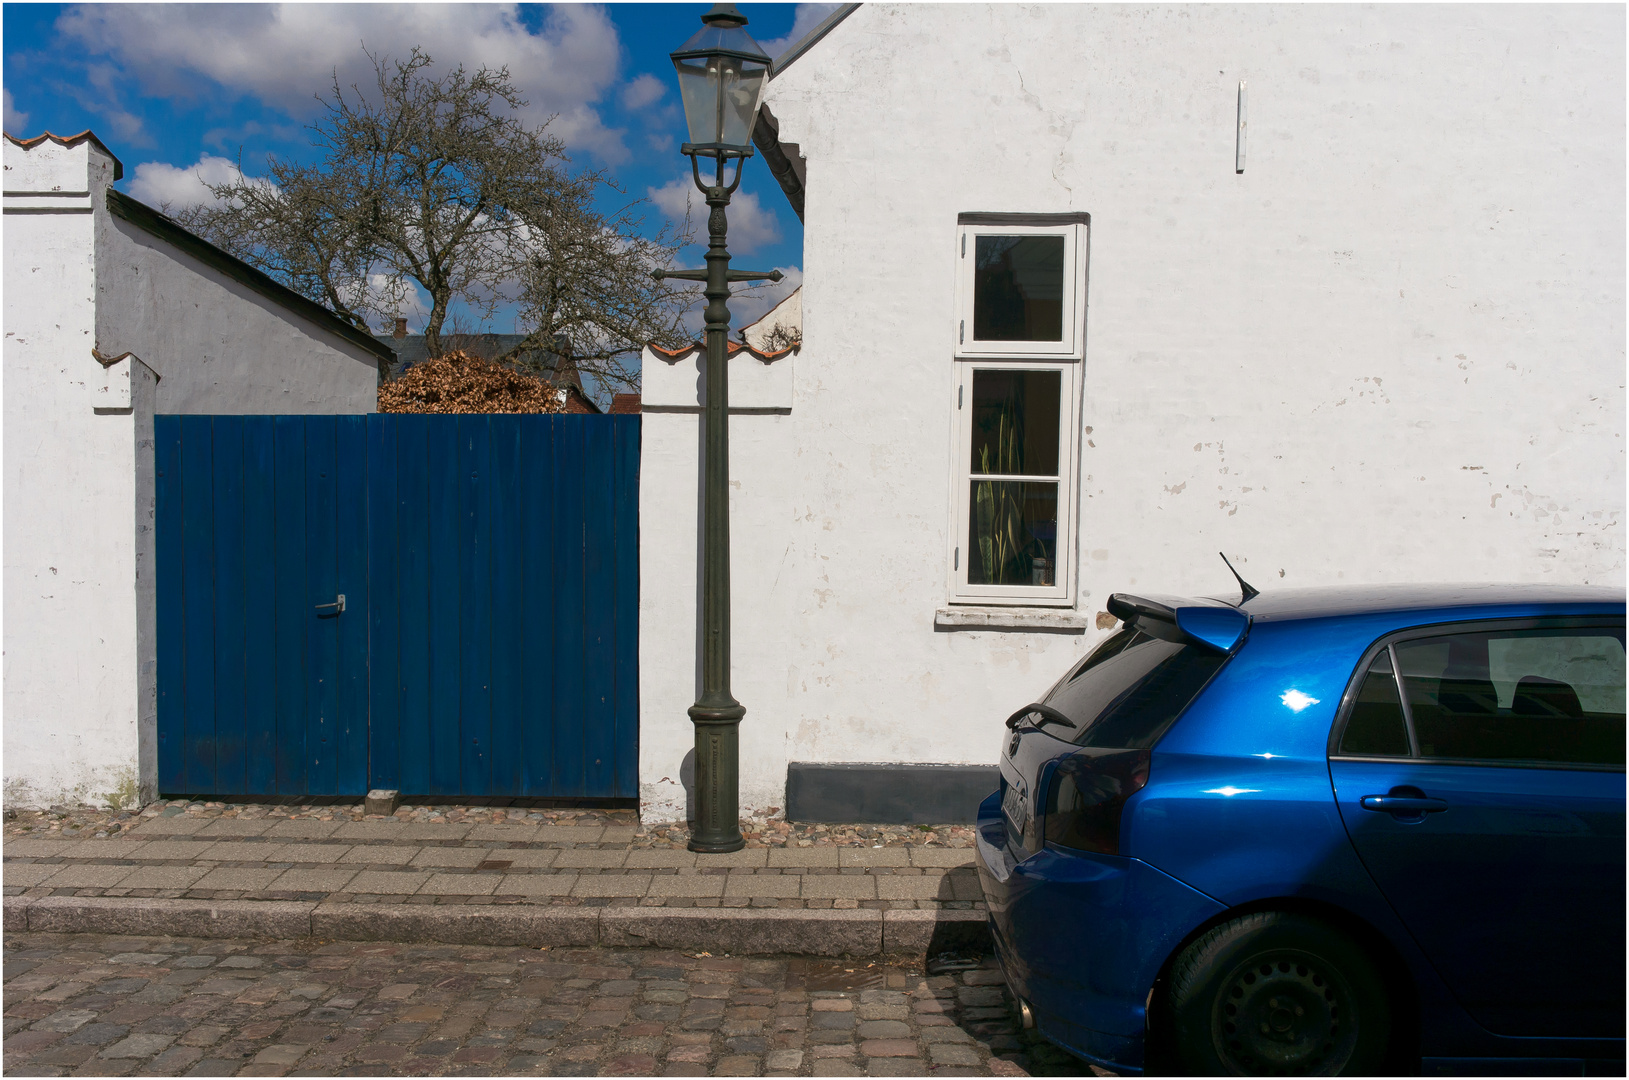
x: 178, y: 918
x: 457, y: 925
x: 743, y: 931
x: 857, y: 932
x: 17, y: 913
x: 935, y: 931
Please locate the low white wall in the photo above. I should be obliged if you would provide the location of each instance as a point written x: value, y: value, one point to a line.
x: 1391, y: 350
x: 71, y: 655
x: 761, y: 508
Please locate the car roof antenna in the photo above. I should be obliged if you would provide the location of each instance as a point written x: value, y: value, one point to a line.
x: 1244, y: 586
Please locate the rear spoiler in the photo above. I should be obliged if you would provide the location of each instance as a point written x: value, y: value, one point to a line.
x: 1210, y: 624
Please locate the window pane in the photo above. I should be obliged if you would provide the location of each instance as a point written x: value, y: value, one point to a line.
x: 1376, y: 728
x: 1527, y: 695
x: 1015, y: 422
x: 1012, y: 533
x: 1018, y: 288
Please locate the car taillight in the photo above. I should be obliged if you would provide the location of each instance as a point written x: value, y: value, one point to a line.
x: 1087, y: 794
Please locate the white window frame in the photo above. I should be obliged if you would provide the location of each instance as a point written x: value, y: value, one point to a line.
x: 1074, y: 295
x: 1066, y: 358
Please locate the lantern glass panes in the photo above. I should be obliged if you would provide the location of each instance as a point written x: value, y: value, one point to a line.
x: 722, y: 72
x: 720, y: 95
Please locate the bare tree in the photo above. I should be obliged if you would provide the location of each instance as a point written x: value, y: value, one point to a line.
x: 436, y: 182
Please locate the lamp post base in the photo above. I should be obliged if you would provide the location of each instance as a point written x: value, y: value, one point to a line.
x: 717, y: 829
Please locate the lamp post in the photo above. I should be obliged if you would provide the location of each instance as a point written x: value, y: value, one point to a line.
x: 721, y: 79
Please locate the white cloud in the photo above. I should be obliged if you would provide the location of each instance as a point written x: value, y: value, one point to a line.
x: 159, y: 184
x: 678, y: 199
x: 16, y: 122
x: 284, y: 54
x: 752, y: 225
x: 644, y: 90
x: 807, y: 18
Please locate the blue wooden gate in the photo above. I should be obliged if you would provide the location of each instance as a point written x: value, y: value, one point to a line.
x: 488, y: 640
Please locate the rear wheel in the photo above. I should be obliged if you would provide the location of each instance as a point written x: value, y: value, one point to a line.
x: 1277, y: 994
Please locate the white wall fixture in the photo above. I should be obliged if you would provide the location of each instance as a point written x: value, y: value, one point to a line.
x: 1238, y: 159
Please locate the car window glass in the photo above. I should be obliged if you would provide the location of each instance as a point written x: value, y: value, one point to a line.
x: 1376, y: 727
x: 1132, y: 689
x: 1544, y: 695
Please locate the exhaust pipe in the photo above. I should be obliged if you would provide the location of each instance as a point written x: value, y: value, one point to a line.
x: 1026, y: 1013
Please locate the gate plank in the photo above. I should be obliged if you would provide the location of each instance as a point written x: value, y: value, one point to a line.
x: 288, y: 459
x: 508, y: 558
x: 198, y: 602
x: 599, y: 598
x: 568, y: 608
x: 626, y: 431
x: 475, y: 607
x: 231, y: 734
x: 171, y: 624
x: 351, y: 628
x: 260, y: 607
x: 384, y: 613
x: 413, y: 671
x: 539, y: 481
x: 442, y: 445
x: 322, y: 587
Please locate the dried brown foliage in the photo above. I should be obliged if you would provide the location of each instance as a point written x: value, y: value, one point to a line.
x: 460, y: 383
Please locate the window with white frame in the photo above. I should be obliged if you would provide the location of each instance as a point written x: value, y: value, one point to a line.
x: 1020, y: 335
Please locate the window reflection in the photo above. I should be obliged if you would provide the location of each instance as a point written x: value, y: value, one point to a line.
x: 1015, y: 422
x: 1018, y: 288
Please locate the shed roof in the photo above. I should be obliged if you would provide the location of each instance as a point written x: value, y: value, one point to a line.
x: 150, y: 221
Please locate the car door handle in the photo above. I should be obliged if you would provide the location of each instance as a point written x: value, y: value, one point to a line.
x: 1402, y: 804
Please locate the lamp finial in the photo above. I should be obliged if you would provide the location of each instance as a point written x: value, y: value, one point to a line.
x: 724, y: 15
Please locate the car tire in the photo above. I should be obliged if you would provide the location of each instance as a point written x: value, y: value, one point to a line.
x: 1276, y: 994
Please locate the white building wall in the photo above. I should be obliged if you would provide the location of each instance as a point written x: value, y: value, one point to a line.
x: 80, y: 656
x: 1392, y: 349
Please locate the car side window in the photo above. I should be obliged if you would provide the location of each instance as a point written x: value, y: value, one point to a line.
x: 1376, y: 727
x: 1542, y: 695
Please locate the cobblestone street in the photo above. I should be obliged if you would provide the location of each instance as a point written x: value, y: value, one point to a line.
x: 94, y: 1005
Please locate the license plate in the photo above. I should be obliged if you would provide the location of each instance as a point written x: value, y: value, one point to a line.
x: 1015, y: 806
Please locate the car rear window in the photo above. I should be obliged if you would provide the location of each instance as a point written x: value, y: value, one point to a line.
x: 1131, y: 688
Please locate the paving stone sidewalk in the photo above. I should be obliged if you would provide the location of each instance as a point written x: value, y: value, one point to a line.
x: 490, y: 857
x: 95, y: 1005
x: 86, y: 822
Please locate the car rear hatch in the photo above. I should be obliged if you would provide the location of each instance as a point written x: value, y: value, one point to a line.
x: 1072, y: 759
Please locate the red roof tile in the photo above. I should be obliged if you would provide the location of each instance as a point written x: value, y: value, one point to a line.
x: 735, y: 347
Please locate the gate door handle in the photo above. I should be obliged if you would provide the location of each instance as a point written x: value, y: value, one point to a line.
x: 1402, y: 804
x: 338, y: 605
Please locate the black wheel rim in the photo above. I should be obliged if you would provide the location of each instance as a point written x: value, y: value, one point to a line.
x: 1284, y: 1013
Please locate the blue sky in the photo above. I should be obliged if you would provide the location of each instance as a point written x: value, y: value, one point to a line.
x: 179, y: 90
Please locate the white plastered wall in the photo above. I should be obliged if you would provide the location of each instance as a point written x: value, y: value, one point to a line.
x: 669, y: 569
x: 1392, y: 349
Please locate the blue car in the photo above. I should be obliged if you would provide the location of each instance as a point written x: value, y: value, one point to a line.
x: 1322, y: 832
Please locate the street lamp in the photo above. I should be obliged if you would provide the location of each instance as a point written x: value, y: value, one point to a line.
x: 721, y: 78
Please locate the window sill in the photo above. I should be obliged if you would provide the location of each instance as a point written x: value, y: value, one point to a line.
x: 1055, y: 620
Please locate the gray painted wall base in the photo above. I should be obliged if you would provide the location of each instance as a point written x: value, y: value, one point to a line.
x: 888, y: 794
